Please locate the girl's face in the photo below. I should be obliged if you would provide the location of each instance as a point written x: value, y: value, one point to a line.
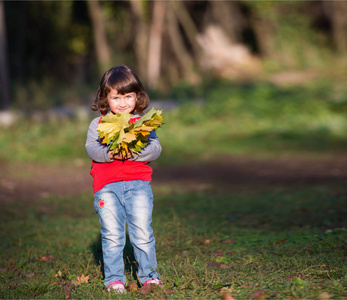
x: 119, y: 103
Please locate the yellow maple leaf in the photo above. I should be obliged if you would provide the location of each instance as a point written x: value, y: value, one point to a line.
x: 59, y: 274
x: 145, y: 128
x: 144, y: 133
x: 126, y: 137
x: 112, y: 124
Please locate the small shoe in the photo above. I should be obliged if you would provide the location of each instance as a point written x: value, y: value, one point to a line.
x: 116, y: 286
x: 154, y: 281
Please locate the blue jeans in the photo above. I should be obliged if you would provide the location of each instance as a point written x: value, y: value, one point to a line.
x: 126, y: 203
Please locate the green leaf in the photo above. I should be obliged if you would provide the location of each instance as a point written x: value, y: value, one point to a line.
x: 148, y: 116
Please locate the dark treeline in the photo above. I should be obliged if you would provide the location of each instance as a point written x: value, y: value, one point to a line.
x: 73, y: 42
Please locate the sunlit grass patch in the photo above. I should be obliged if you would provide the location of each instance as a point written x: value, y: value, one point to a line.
x: 258, y: 120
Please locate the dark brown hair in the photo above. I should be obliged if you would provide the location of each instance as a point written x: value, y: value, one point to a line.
x: 124, y: 80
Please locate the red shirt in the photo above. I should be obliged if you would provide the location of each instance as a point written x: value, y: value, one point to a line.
x: 118, y: 170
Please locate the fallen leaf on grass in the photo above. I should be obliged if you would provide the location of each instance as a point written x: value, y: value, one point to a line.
x: 132, y: 287
x: 83, y: 279
x: 59, y: 274
x: 259, y: 294
x: 281, y: 242
x: 146, y: 289
x: 324, y: 296
x: 67, y: 288
x: 80, y: 279
x: 223, y: 267
x: 46, y: 258
x: 226, y: 293
x: 207, y: 241
x: 227, y: 296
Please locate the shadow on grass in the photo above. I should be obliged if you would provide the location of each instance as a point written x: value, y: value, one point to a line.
x: 316, y: 208
x: 131, y: 267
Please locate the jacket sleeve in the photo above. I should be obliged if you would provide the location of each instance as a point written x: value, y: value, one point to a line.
x: 151, y: 151
x: 95, y: 149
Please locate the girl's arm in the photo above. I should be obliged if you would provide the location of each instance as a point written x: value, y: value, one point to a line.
x: 95, y: 150
x: 152, y: 150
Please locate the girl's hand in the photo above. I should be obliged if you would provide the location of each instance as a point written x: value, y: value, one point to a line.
x: 118, y: 156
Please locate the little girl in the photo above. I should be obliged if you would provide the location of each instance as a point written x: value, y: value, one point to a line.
x: 122, y: 191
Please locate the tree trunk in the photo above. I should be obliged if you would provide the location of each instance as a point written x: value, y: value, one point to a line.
x: 228, y: 16
x: 183, y: 57
x: 187, y: 23
x: 141, y: 36
x: 155, y: 42
x: 264, y: 30
x: 4, y: 80
x: 101, y: 45
x: 339, y: 22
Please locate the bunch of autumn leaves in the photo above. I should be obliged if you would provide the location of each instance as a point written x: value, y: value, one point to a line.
x: 122, y: 137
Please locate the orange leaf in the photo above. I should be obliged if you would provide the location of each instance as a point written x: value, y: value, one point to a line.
x: 324, y: 296
x: 46, y: 258
x: 82, y: 279
x: 227, y: 296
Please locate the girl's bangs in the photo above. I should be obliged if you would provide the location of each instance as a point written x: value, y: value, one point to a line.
x: 123, y: 84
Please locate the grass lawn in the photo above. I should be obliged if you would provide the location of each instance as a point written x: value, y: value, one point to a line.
x: 281, y: 243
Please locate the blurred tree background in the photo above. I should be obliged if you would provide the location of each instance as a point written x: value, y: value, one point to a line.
x: 53, y: 53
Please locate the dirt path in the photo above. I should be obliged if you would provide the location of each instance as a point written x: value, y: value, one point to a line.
x: 30, y: 181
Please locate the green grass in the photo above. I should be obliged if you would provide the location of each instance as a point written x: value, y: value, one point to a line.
x: 261, y: 120
x: 289, y: 243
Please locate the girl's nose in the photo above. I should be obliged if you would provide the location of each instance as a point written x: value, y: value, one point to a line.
x: 122, y: 102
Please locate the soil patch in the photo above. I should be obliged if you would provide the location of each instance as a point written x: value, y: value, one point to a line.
x: 27, y: 182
